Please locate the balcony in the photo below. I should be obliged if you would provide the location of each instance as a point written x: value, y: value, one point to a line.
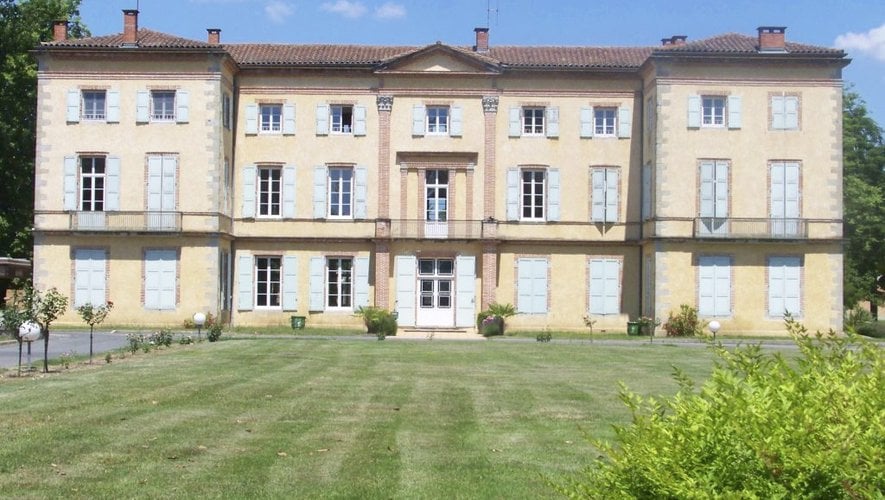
x: 441, y: 230
x: 734, y: 227
x: 137, y: 222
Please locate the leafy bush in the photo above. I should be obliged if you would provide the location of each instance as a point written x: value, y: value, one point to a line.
x: 378, y: 320
x: 685, y: 323
x: 760, y: 427
x: 544, y: 337
x: 185, y: 340
x: 214, y: 332
x: 857, y: 317
x: 491, y: 321
x: 161, y: 338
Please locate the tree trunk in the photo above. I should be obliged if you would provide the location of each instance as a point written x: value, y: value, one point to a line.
x: 46, y: 350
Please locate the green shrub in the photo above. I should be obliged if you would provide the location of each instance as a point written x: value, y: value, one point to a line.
x: 544, y: 337
x: 685, y: 323
x: 161, y: 338
x: 491, y: 321
x: 214, y: 332
x: 857, y: 317
x: 760, y: 427
x: 378, y: 321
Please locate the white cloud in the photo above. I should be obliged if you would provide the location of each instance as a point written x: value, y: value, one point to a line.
x: 872, y: 42
x: 345, y: 8
x: 277, y: 11
x: 390, y: 10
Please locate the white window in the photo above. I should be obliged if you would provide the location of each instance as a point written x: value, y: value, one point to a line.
x: 533, y: 194
x: 94, y: 105
x: 605, y: 286
x: 92, y: 183
x: 160, y: 279
x: 785, y: 112
x: 437, y: 120
x: 605, y: 121
x: 784, y: 286
x: 714, y: 285
x: 531, y: 286
x: 341, y: 119
x: 154, y: 106
x: 270, y: 118
x: 162, y: 192
x: 713, y: 111
x: 340, y: 192
x: 533, y: 121
x: 90, y: 276
x: 604, y: 195
x: 268, y: 276
x: 339, y: 283
x: 436, y: 187
x: 270, y: 191
x: 785, y: 198
x: 714, y: 197
x: 162, y: 105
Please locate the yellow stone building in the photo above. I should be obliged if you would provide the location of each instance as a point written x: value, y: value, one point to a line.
x: 260, y: 181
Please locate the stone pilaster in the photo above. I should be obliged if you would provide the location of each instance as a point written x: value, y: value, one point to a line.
x: 490, y: 112
x: 489, y: 273
x: 382, y: 274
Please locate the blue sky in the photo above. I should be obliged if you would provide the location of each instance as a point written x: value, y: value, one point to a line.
x: 858, y: 26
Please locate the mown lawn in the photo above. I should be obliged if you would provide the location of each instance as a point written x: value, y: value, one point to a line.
x: 324, y: 418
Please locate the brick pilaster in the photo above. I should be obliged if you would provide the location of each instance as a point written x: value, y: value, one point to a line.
x: 489, y: 273
x: 385, y: 105
x: 490, y: 111
x: 382, y: 274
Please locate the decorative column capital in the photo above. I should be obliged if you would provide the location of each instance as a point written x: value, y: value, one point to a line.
x: 384, y: 102
x: 490, y: 104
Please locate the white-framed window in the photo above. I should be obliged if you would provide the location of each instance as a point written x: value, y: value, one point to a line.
x: 436, y: 190
x: 533, y: 121
x: 90, y: 276
x: 604, y: 194
x: 162, y: 105
x: 785, y: 198
x: 160, y: 279
x: 605, y: 286
x: 340, y: 192
x: 270, y: 191
x: 713, y: 111
x: 268, y: 279
x: 605, y: 121
x: 785, y: 112
x: 92, y: 183
x: 534, y: 194
x: 339, y: 283
x: 270, y: 118
x: 784, y: 286
x: 437, y: 120
x: 94, y: 105
x: 713, y: 197
x: 531, y: 285
x: 341, y: 119
x: 714, y: 285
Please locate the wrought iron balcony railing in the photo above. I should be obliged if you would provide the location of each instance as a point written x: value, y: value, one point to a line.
x: 126, y: 221
x: 735, y: 227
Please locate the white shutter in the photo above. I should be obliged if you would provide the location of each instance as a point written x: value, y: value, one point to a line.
x: 553, y: 194
x: 168, y: 277
x: 721, y: 197
x: 708, y: 189
x: 625, y: 121
x: 244, y: 281
x: 112, y: 184
x: 290, y: 283
x: 170, y: 165
x: 694, y: 111
x: 512, y: 194
x: 359, y: 120
x: 791, y: 112
x: 159, y: 279
x: 597, y: 286
x: 791, y: 190
x: 778, y: 118
x: 418, y: 114
x: 249, y: 173
x: 465, y: 290
x: 317, y: 284
x: 322, y: 119
x: 605, y: 287
x: 289, y: 119
x: 515, y: 128
x: 70, y: 183
x: 113, y: 103
x: 784, y: 286
x: 792, y: 286
x: 89, y: 277
x: 539, y: 286
x: 289, y: 191
x: 73, y: 106
x: 456, y: 127
x: 611, y: 195
x: 706, y: 286
x: 142, y: 106
x: 552, y: 118
x: 319, y: 192
x: 723, y: 286
x: 612, y: 286
x: 597, y: 195
x: 734, y: 111
x: 777, y: 191
x: 361, y: 282
x: 586, y: 122
x: 182, y: 105
x: 532, y: 286
x: 360, y: 192
x: 155, y: 183
x: 524, y: 286
x: 405, y: 289
x: 251, y: 118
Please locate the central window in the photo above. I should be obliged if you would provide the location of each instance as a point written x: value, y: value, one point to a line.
x: 341, y: 119
x: 533, y: 121
x: 269, y: 191
x: 94, y: 105
x: 437, y: 119
x: 271, y: 118
x: 533, y: 194
x: 267, y: 281
x: 713, y: 111
x: 339, y: 282
x: 92, y: 183
x: 604, y: 121
x: 162, y: 105
x: 340, y: 192
x: 437, y: 194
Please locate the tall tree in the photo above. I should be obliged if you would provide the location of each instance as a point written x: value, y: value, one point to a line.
x: 23, y: 24
x: 864, y: 200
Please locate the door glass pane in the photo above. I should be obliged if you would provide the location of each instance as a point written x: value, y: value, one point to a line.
x: 425, y: 266
x: 446, y: 267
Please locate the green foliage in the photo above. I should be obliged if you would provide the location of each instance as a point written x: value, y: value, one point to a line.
x: 210, y: 322
x: 857, y: 317
x: 685, y: 323
x: 544, y: 337
x: 94, y: 314
x: 491, y: 321
x: 214, y: 332
x: 378, y: 321
x: 502, y: 310
x: 42, y: 308
x: 760, y: 427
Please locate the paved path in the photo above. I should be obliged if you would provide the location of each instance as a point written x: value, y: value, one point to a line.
x: 60, y: 341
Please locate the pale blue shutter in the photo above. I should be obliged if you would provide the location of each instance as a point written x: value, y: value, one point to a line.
x: 249, y: 173
x: 359, y: 120
x: 553, y: 194
x: 708, y: 189
x: 166, y: 266
x: 405, y: 289
x: 778, y: 119
x: 552, y: 118
x: 515, y: 124
x: 456, y: 127
x: 289, y: 191
x: 611, y: 195
x: 73, y: 114
x: 694, y: 111
x: 723, y: 286
x: 539, y: 286
x: 182, y: 105
x: 70, y: 183
x: 322, y: 119
x: 319, y: 192
x: 625, y: 121
x: 784, y: 286
x: 465, y: 290
x: 113, y: 103
x: 586, y: 122
x: 706, y: 286
x: 721, y: 203
x: 317, y: 283
x: 142, y: 106
x: 512, y: 194
x: 531, y: 294
x: 89, y: 277
x: 112, y: 184
x: 612, y: 269
x: 791, y: 190
x: 791, y: 112
x: 597, y: 195
x: 289, y: 119
x: 734, y: 111
x: 244, y: 281
x: 418, y: 114
x: 360, y: 192
x: 290, y: 283
x: 777, y: 191
x: 792, y: 285
x: 523, y: 286
x: 251, y: 118
x: 361, y: 282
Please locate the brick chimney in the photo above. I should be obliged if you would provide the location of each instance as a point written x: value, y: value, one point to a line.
x: 674, y: 40
x: 130, y: 27
x: 772, y: 38
x: 214, y: 35
x: 59, y: 30
x: 482, y: 40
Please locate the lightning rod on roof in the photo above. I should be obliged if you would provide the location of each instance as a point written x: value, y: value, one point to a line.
x: 489, y: 11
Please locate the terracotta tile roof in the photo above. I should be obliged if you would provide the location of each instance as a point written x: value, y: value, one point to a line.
x: 735, y: 43
x: 146, y: 38
x: 258, y: 54
x: 571, y: 57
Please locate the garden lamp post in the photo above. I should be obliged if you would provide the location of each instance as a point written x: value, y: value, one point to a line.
x: 199, y: 320
x: 714, y: 327
x: 29, y: 331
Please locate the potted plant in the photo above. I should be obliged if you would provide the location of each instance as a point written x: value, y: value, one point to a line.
x: 647, y: 325
x: 491, y: 321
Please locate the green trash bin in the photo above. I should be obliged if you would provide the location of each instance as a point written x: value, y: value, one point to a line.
x: 632, y: 328
x: 298, y: 322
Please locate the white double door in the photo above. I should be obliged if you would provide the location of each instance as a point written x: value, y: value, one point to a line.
x: 436, y: 279
x: 436, y: 292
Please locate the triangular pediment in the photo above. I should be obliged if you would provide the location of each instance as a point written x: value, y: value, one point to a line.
x: 440, y: 59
